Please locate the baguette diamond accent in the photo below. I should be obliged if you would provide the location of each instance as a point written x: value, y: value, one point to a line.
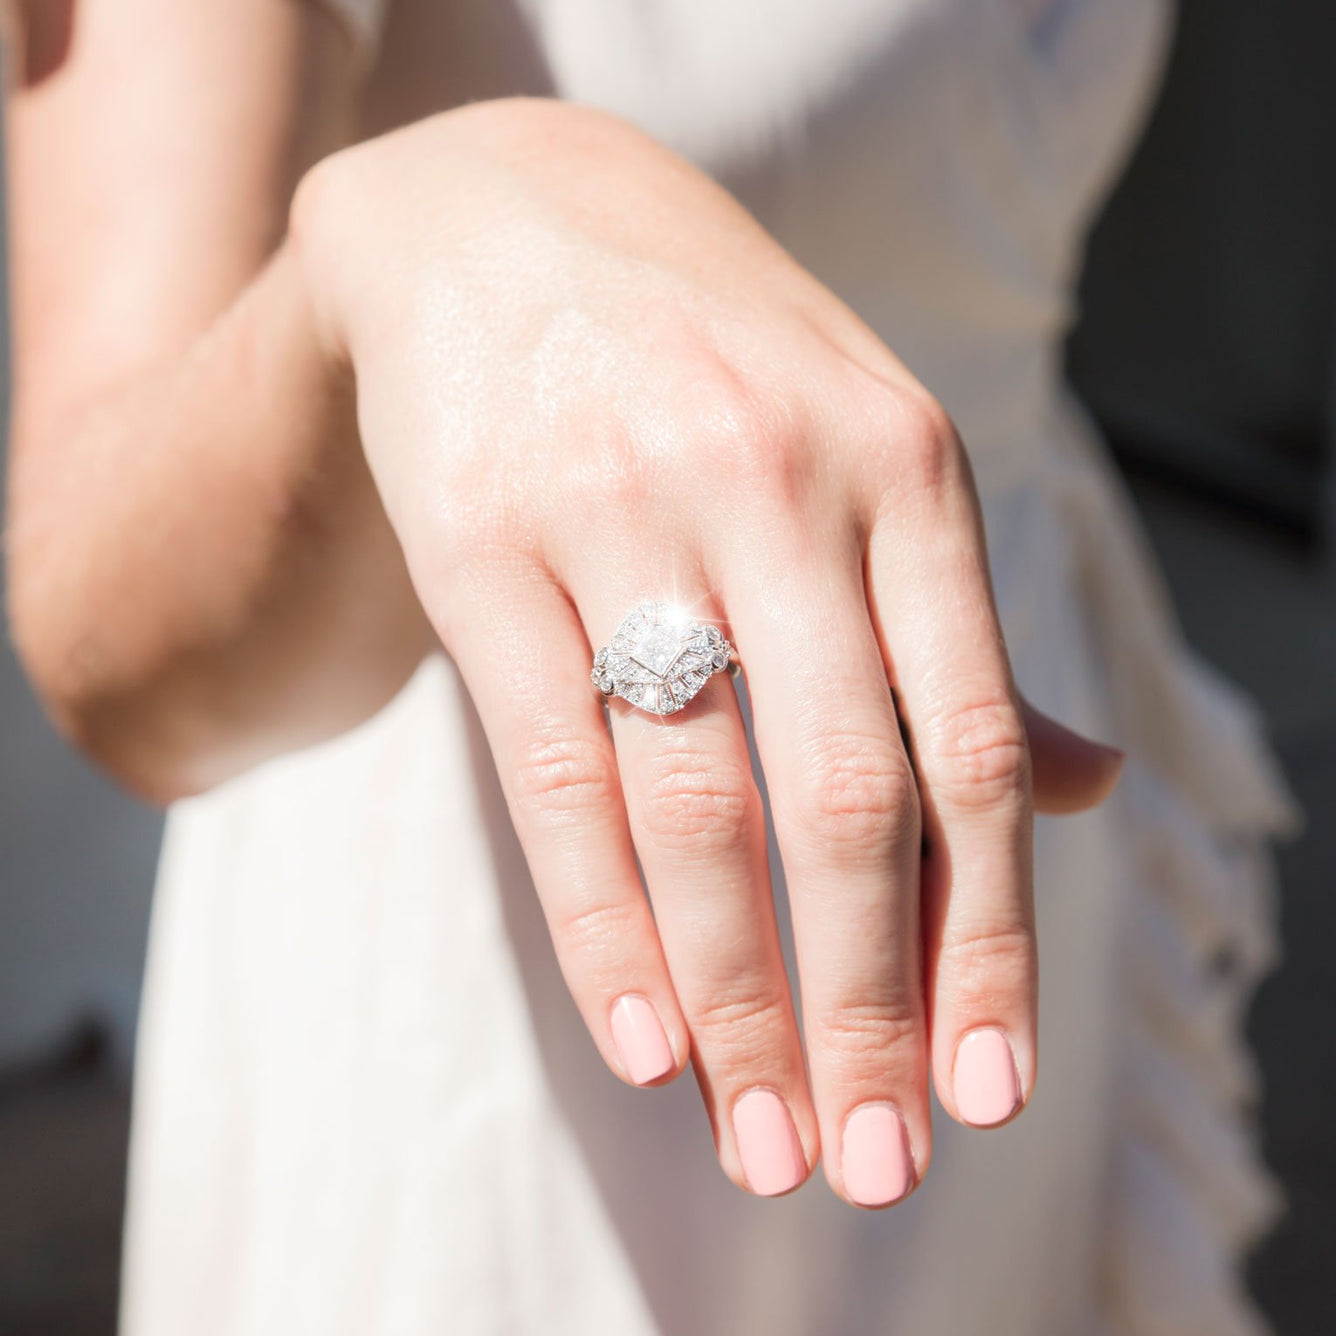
x: 659, y: 658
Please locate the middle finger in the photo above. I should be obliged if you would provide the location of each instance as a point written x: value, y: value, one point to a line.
x: 699, y: 829
x: 846, y: 817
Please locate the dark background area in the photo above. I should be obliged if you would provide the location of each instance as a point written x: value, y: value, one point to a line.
x: 1206, y: 344
x: 1205, y: 348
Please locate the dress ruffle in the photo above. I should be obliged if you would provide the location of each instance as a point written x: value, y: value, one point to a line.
x: 1203, y: 799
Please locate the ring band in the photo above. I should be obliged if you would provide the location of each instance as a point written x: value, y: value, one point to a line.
x: 658, y: 658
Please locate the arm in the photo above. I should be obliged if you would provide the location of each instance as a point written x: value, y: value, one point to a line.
x: 200, y: 572
x: 583, y: 375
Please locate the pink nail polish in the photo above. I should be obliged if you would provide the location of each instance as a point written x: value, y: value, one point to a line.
x: 772, y: 1156
x: 987, y: 1086
x: 641, y: 1043
x: 874, y: 1158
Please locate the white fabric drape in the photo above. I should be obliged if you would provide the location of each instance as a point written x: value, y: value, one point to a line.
x: 365, y: 1103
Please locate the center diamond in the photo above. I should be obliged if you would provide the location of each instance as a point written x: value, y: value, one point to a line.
x: 658, y: 658
x: 659, y: 648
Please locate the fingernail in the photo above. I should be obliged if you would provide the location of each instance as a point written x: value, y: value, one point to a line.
x: 641, y: 1042
x: 771, y: 1154
x: 987, y: 1085
x: 874, y: 1157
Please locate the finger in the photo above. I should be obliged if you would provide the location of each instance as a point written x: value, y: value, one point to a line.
x: 932, y: 601
x: 698, y: 826
x: 525, y: 659
x: 846, y: 815
x: 1070, y: 772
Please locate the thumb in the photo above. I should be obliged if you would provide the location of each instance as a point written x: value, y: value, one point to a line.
x: 1071, y: 773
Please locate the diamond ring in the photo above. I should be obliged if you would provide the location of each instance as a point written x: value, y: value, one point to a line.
x: 658, y: 658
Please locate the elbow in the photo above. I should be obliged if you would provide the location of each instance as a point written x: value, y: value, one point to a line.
x: 85, y: 644
x: 107, y: 715
x: 107, y: 731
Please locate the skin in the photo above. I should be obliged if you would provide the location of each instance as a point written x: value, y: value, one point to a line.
x: 290, y: 414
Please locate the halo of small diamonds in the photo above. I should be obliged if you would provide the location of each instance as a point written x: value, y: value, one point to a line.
x: 659, y: 658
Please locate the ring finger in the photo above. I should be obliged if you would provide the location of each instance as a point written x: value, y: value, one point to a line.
x: 698, y: 825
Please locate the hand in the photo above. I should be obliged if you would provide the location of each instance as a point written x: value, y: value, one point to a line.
x: 586, y: 378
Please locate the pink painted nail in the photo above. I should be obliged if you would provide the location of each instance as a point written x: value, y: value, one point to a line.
x: 771, y: 1154
x: 641, y: 1043
x: 987, y: 1086
x: 874, y: 1157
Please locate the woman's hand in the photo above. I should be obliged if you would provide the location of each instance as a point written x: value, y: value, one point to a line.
x: 585, y: 378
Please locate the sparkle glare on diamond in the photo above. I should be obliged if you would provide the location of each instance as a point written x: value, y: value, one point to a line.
x: 659, y: 647
x: 659, y: 658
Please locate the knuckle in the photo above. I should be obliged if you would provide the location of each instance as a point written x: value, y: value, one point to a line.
x: 989, y: 962
x: 860, y: 1033
x: 738, y: 1025
x: 930, y: 456
x: 695, y: 798
x: 750, y: 440
x: 611, y: 479
x: 623, y: 486
x: 564, y: 777
x: 981, y: 757
x: 316, y: 197
x: 773, y: 462
x: 329, y: 197
x: 858, y: 789
x: 600, y: 929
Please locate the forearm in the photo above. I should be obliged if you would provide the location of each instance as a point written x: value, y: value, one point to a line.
x: 207, y: 577
x: 199, y: 572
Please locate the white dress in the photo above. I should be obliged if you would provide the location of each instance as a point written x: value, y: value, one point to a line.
x: 364, y: 1103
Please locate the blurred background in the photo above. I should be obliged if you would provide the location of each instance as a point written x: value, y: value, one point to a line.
x: 1206, y: 349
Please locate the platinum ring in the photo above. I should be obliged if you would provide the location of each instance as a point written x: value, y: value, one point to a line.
x: 659, y: 658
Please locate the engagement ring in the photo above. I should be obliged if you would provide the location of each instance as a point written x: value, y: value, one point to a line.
x: 659, y: 658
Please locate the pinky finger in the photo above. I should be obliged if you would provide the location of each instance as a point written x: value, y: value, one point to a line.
x: 1071, y: 773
